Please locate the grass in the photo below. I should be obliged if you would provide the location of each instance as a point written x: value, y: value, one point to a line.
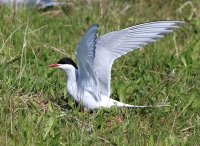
x: 33, y: 99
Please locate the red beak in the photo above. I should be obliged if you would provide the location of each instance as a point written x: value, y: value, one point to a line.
x: 53, y: 65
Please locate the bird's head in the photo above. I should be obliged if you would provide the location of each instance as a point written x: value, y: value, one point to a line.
x: 64, y: 64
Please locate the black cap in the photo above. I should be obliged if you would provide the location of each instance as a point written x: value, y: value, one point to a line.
x: 66, y: 60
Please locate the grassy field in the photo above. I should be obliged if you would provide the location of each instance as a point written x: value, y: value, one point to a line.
x: 35, y: 107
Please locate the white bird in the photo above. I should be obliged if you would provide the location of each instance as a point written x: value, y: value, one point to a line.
x: 89, y: 83
x: 45, y: 3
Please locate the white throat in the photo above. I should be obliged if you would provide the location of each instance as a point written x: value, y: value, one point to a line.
x: 72, y: 78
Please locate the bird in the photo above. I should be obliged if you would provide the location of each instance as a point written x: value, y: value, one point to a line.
x: 43, y: 3
x: 89, y: 82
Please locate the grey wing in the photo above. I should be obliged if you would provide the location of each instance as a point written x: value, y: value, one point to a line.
x: 85, y: 58
x: 114, y: 44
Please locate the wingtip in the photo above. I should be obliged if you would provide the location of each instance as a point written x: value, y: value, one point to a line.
x: 97, y: 25
x: 94, y: 25
x: 170, y: 21
x: 180, y: 22
x: 91, y: 28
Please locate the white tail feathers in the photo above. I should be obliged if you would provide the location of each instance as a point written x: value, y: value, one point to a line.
x: 120, y: 104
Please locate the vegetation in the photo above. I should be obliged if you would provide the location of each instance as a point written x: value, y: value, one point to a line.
x: 35, y: 107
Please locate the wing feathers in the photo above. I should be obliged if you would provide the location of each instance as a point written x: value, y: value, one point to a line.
x: 85, y: 53
x: 117, y: 43
x: 95, y: 56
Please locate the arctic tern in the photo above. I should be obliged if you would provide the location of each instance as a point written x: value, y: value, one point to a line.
x: 89, y: 83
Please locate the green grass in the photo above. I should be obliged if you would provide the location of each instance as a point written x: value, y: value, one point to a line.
x: 33, y: 98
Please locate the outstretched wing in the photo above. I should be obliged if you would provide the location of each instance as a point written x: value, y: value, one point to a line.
x: 85, y: 52
x: 114, y: 44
